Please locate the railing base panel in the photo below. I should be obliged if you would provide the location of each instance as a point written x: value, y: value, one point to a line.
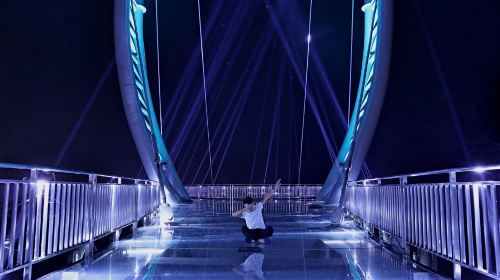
x: 442, y: 266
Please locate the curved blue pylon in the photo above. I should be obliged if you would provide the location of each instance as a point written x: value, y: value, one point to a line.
x: 369, y: 100
x: 137, y: 101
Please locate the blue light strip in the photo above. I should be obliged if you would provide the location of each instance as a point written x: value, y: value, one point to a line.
x: 368, y: 69
x: 167, y: 173
x: 345, y: 163
x: 135, y: 54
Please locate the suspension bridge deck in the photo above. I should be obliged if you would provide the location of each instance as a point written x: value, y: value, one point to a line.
x: 206, y: 245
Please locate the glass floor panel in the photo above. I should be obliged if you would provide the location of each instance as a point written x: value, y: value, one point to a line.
x: 209, y: 246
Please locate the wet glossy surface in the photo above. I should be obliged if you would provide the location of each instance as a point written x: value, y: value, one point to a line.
x: 212, y: 247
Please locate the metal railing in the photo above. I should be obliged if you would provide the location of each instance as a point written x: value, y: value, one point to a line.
x: 454, y: 220
x: 225, y: 199
x: 225, y: 207
x: 45, y: 212
x: 239, y: 192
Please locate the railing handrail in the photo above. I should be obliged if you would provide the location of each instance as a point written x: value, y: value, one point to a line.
x: 435, y: 172
x: 372, y: 184
x: 17, y: 166
x: 253, y: 185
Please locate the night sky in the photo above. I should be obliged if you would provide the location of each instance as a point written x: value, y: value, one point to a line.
x: 61, y: 105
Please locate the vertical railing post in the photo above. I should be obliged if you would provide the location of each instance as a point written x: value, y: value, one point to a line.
x: 453, y: 177
x: 494, y: 207
x: 136, y: 200
x: 4, y: 204
x: 454, y: 234
x: 30, y: 219
x: 136, y: 206
x: 90, y: 215
x: 457, y: 272
x: 403, y: 181
x: 379, y: 204
x: 231, y: 189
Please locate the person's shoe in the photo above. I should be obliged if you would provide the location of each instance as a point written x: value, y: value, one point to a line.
x: 248, y: 240
x: 262, y: 241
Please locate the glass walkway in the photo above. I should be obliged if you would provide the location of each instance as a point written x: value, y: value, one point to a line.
x: 203, y: 244
x: 91, y: 226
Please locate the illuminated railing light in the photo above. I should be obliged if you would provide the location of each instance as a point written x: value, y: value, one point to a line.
x: 40, y: 186
x: 479, y: 169
x: 144, y: 251
x: 339, y: 242
x: 41, y: 183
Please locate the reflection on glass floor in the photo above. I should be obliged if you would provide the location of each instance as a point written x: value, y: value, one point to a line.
x: 212, y: 247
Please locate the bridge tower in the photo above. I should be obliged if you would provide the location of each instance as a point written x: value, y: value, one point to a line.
x: 369, y: 99
x: 137, y: 101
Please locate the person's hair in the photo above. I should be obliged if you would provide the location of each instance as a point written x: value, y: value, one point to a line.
x: 247, y: 200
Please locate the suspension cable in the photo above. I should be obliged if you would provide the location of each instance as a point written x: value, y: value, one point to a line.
x: 305, y: 90
x: 350, y: 65
x: 158, y: 66
x: 205, y: 94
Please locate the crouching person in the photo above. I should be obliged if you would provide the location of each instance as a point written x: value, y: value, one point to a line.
x: 255, y: 229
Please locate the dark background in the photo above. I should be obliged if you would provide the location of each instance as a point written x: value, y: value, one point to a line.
x: 61, y: 105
